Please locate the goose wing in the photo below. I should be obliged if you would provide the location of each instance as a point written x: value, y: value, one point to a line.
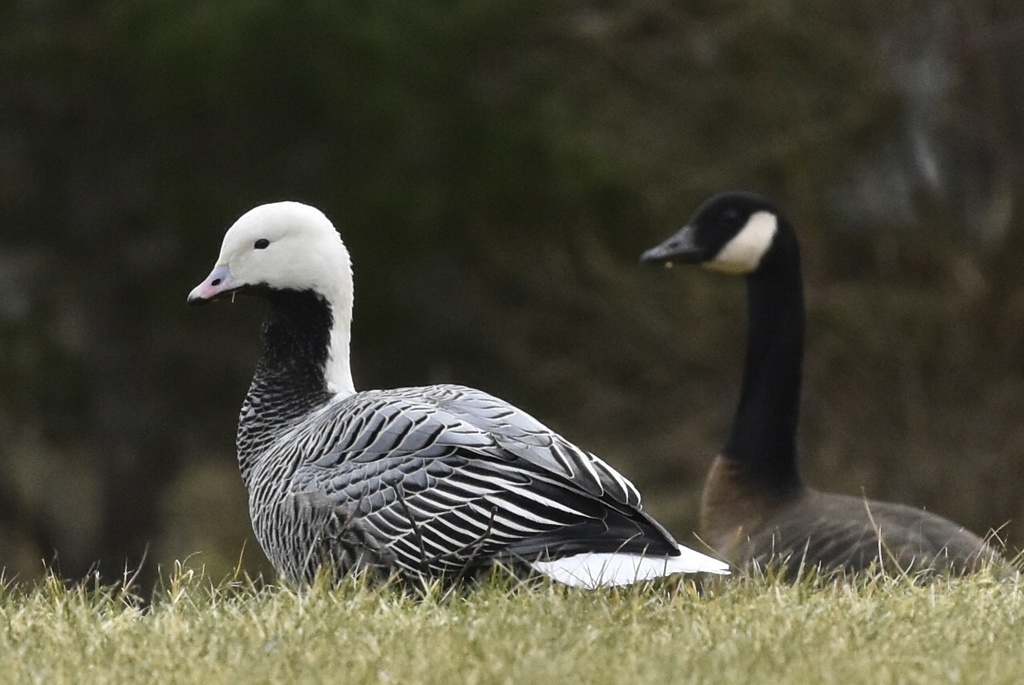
x: 449, y: 477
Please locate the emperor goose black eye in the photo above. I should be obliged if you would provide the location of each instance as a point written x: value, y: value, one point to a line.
x: 261, y: 244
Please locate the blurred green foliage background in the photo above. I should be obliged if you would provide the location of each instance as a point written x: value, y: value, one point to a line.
x: 496, y: 167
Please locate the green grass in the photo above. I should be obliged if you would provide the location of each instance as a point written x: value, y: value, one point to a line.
x: 731, y: 631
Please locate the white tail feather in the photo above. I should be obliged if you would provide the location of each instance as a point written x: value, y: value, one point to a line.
x: 606, y: 569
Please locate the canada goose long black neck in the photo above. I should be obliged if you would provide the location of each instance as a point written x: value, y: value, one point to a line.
x: 290, y: 379
x: 763, y: 439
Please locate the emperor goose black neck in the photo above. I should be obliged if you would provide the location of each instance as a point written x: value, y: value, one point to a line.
x: 290, y: 378
x: 763, y: 439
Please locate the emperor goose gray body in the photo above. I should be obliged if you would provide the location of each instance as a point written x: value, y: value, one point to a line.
x: 755, y: 506
x: 440, y: 481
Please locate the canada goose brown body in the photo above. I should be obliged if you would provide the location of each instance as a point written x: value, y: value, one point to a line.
x: 756, y: 508
x: 806, y: 528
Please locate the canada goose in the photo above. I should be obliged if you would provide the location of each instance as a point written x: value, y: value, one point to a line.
x: 440, y: 481
x: 755, y: 507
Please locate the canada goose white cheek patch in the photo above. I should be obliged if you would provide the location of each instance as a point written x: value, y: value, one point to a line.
x: 744, y: 252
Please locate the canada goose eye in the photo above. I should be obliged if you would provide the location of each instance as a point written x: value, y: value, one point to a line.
x: 261, y: 244
x: 731, y: 217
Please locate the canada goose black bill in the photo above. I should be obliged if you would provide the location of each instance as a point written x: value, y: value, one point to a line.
x: 681, y: 248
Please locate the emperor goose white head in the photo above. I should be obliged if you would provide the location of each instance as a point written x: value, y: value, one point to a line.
x: 437, y: 481
x: 756, y: 508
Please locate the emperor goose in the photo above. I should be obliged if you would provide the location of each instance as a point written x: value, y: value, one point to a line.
x: 440, y: 481
x: 755, y: 506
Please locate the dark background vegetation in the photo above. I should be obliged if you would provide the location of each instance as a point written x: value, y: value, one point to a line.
x: 496, y: 167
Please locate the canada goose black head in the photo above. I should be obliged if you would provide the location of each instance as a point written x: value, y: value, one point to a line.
x: 735, y: 232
